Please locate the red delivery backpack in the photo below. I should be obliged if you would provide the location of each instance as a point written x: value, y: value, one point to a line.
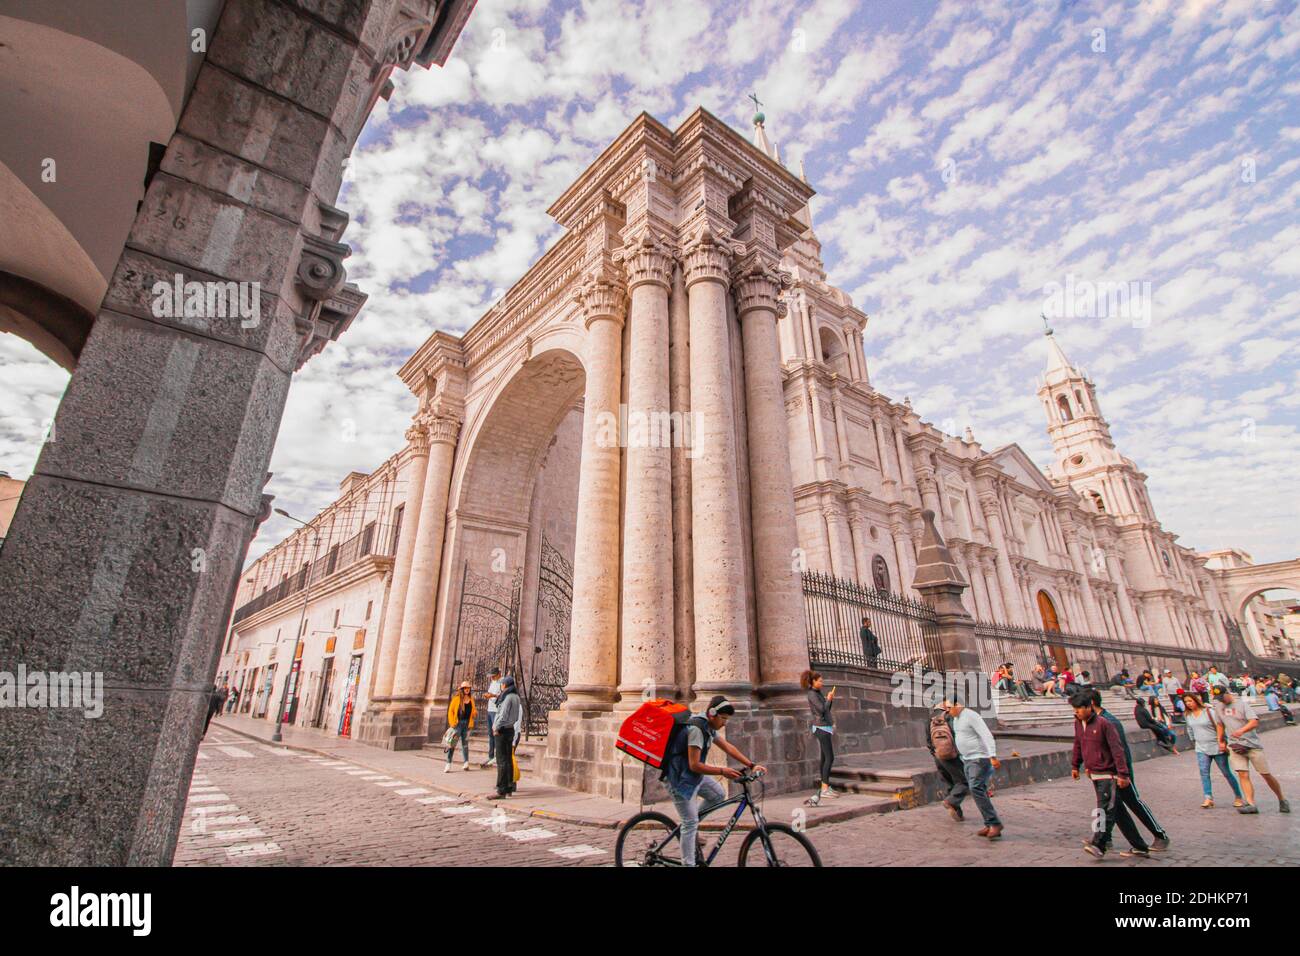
x: 648, y: 733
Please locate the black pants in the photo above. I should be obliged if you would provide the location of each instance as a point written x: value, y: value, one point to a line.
x: 828, y: 755
x: 955, y: 776
x: 1141, y: 812
x: 505, y: 765
x: 212, y: 710
x: 1112, y: 800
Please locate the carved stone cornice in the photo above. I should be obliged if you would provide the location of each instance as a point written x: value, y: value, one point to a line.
x: 646, y: 259
x: 707, y: 258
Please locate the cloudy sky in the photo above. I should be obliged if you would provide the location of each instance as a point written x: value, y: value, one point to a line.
x: 966, y: 155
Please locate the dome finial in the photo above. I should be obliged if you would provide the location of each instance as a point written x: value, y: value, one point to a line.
x: 1048, y: 328
x: 759, y: 118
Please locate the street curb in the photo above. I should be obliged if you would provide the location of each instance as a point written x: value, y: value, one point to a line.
x: 837, y: 816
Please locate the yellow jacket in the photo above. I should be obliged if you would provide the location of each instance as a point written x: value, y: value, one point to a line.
x: 453, y: 706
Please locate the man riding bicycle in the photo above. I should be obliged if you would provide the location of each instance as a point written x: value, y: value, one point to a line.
x: 688, y: 774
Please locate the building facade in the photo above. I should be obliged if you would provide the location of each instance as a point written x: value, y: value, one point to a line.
x: 617, y: 476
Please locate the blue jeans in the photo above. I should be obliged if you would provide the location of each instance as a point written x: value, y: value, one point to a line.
x: 688, y: 811
x: 492, y: 737
x: 1203, y: 761
x: 462, y: 729
x: 978, y: 774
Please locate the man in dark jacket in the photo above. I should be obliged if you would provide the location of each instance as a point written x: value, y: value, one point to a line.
x: 1098, y: 750
x: 1141, y: 812
x: 870, y: 643
x: 949, y: 765
x: 509, y: 713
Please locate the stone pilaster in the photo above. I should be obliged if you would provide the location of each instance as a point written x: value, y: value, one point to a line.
x: 1008, y: 588
x: 782, y: 638
x: 646, y: 660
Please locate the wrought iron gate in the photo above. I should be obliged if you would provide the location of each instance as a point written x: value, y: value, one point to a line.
x: 549, y: 670
x: 487, y: 630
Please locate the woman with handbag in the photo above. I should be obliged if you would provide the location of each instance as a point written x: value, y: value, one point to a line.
x: 460, y: 718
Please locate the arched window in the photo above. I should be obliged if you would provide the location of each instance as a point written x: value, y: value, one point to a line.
x: 834, y: 354
x: 1064, y: 404
x: 1078, y: 400
x: 880, y: 573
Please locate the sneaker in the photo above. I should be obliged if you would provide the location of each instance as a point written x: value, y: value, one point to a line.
x: 1238, y: 804
x: 1248, y: 808
x: 1094, y: 850
x: 1283, y: 807
x: 1160, y: 844
x: 446, y: 768
x: 828, y: 792
x: 1134, y: 853
x: 491, y: 763
x: 1208, y: 804
x: 814, y: 801
x: 465, y: 765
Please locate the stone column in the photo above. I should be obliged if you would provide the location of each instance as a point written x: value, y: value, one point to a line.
x: 410, y: 681
x: 997, y: 603
x: 647, y: 607
x: 593, y: 642
x: 782, y: 638
x: 860, y: 551
x: 838, y: 543
x: 1091, y: 612
x: 417, y: 437
x: 903, y: 555
x: 141, y: 512
x: 722, y: 664
x: 1006, y: 578
x: 683, y: 550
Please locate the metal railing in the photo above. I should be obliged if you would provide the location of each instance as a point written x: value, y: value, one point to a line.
x: 905, y: 630
x: 372, y: 539
x: 1103, y: 658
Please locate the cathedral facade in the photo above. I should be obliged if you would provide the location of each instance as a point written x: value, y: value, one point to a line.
x: 510, y: 529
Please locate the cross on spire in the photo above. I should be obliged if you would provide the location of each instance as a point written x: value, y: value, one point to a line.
x: 757, y: 105
x: 1048, y: 328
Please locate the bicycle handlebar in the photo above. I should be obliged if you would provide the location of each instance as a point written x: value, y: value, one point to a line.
x: 749, y: 776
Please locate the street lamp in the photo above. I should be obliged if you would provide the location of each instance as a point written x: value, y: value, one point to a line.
x: 297, y: 637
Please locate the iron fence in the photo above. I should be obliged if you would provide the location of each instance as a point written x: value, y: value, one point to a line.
x: 372, y: 539
x: 1102, y: 658
x: 905, y: 630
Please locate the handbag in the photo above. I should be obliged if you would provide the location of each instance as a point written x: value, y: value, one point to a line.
x: 449, y: 738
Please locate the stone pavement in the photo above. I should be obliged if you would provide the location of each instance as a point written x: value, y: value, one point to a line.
x: 424, y: 768
x: 253, y: 804
x: 1045, y: 823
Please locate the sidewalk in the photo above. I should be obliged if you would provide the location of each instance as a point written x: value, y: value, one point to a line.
x: 534, y: 798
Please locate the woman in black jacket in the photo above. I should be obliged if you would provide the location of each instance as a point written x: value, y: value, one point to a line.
x: 1164, y: 736
x: 822, y: 729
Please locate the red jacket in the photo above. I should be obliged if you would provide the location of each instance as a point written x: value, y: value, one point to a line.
x: 1098, y: 747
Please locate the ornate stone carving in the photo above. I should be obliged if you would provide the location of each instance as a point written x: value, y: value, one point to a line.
x: 601, y: 296
x: 443, y: 429
x: 646, y: 258
x: 706, y: 257
x: 758, y: 284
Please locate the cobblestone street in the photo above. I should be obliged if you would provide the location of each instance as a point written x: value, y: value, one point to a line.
x: 254, y: 804
x: 251, y: 804
x: 1045, y: 823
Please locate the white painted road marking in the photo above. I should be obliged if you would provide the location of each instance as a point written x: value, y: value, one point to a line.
x: 536, y: 833
x: 576, y: 852
x: 252, y: 849
x: 235, y: 752
x: 410, y: 791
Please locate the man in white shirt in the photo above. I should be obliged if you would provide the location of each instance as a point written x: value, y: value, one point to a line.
x: 979, y: 759
x: 492, y: 695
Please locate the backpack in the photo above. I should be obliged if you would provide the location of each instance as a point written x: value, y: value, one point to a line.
x: 650, y: 731
x: 945, y: 748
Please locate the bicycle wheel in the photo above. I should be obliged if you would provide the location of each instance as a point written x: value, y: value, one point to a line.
x: 789, y: 848
x: 645, y: 841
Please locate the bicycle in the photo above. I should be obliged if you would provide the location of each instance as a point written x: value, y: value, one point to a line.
x: 653, y: 839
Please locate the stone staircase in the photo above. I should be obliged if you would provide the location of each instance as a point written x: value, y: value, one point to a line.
x: 528, y: 753
x: 1055, y: 712
x: 900, y: 786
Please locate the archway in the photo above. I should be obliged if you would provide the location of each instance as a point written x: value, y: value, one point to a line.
x: 511, y: 526
x: 1051, y: 624
x: 1268, y: 623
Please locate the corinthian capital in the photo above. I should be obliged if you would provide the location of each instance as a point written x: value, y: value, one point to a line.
x: 706, y: 257
x: 758, y: 283
x: 646, y: 259
x: 601, y: 296
x: 443, y: 429
x: 988, y: 503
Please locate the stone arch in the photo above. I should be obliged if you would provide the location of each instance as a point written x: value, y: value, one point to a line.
x: 834, y: 353
x: 515, y: 482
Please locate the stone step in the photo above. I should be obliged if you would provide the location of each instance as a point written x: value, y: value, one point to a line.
x: 897, y: 784
x: 529, y: 751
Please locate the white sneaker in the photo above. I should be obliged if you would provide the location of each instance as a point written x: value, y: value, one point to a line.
x: 446, y: 768
x: 491, y: 763
x: 465, y: 765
